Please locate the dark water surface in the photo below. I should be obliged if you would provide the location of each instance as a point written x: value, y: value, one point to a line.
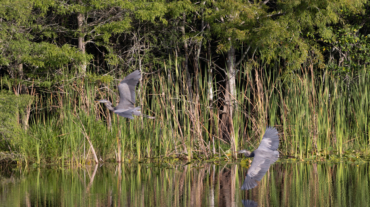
x: 285, y: 184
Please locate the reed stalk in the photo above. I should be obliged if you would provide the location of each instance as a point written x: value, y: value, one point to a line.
x: 314, y: 115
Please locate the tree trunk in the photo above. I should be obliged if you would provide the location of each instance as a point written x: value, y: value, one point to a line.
x: 231, y: 72
x: 20, y: 70
x: 81, y: 39
x: 210, y: 102
x: 188, y: 81
x: 210, y: 92
x: 186, y: 62
x: 230, y: 97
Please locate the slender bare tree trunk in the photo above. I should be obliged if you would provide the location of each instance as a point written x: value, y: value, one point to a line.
x: 188, y: 80
x: 27, y: 111
x: 186, y: 62
x: 21, y: 89
x: 210, y: 92
x: 230, y: 97
x: 20, y: 70
x: 231, y: 72
x: 81, y: 39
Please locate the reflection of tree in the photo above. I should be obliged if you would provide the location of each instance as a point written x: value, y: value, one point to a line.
x: 190, y: 185
x: 125, y: 185
x: 212, y: 185
x: 197, y: 188
x: 227, y: 186
x: 182, y: 178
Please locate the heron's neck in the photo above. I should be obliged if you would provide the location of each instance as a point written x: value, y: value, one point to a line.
x: 109, y: 106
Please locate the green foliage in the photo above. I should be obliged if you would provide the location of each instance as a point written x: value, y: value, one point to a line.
x: 278, y: 32
x: 348, y: 50
x: 18, y: 12
x: 45, y: 55
x: 107, y: 30
x: 233, y: 22
x: 12, y: 109
x: 150, y: 11
x: 17, y: 42
x: 300, y: 18
x: 39, y: 43
x: 92, y: 77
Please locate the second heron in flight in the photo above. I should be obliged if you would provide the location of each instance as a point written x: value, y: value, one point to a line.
x: 126, y: 89
x: 265, y: 155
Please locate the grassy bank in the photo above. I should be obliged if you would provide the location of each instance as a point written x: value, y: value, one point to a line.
x: 316, y: 116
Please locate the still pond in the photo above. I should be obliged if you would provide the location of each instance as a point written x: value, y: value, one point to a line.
x: 285, y: 184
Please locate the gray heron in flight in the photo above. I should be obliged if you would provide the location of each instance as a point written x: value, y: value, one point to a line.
x: 126, y: 89
x: 265, y: 155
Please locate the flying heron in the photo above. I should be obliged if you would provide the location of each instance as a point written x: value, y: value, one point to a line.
x: 265, y: 155
x: 126, y: 89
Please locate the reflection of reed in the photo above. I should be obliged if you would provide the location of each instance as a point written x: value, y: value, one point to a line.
x: 212, y: 185
x: 91, y: 179
x: 28, y: 202
x: 181, y: 182
x: 314, y: 184
x: 227, y: 186
x: 119, y: 183
x: 187, y: 186
x: 297, y: 184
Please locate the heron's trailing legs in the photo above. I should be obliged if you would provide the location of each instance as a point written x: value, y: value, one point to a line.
x: 149, y: 117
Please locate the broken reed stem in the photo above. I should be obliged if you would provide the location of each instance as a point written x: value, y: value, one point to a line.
x: 88, y: 140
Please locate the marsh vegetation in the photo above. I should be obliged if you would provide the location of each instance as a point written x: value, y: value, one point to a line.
x: 213, y: 74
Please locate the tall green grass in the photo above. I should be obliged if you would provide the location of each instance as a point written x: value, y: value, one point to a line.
x: 315, y: 116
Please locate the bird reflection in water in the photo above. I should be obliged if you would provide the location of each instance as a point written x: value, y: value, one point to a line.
x: 249, y: 203
x: 265, y: 155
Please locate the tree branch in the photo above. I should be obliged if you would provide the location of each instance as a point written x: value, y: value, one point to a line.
x: 242, y: 58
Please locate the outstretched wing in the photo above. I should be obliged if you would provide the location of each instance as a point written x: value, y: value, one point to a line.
x: 270, y: 140
x: 126, y: 90
x: 257, y: 170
